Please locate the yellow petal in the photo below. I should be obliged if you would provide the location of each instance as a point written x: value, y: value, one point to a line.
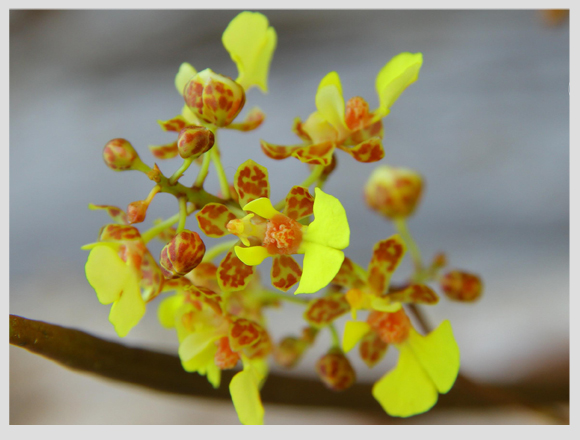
x: 407, y: 389
x: 330, y: 102
x: 438, y: 354
x: 167, y: 310
x: 384, y: 305
x: 330, y: 225
x: 321, y: 264
x: 203, y: 363
x: 185, y: 73
x: 246, y: 397
x: 251, y: 43
x: 251, y: 256
x: 260, y: 368
x: 353, y: 333
x: 128, y: 310
x: 107, y: 273
x: 195, y: 343
x: 262, y: 206
x: 395, y: 77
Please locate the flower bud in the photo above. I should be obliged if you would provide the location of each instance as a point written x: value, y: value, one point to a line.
x: 136, y: 211
x: 335, y: 370
x: 289, y: 351
x: 393, y: 192
x: 214, y: 98
x: 181, y: 255
x: 194, y: 140
x: 119, y: 155
x: 461, y: 286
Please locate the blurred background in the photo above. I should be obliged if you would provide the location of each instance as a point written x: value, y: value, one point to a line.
x: 487, y: 124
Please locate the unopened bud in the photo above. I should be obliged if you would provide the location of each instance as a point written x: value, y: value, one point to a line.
x: 393, y: 328
x: 214, y: 98
x: 136, y: 211
x: 289, y: 351
x: 393, y: 192
x: 119, y: 155
x: 461, y: 286
x: 335, y: 370
x: 194, y: 140
x: 182, y: 254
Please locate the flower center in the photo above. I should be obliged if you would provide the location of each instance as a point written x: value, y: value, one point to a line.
x: 283, y: 235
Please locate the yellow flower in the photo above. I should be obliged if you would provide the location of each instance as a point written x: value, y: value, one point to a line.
x: 352, y: 127
x: 118, y: 266
x: 320, y: 242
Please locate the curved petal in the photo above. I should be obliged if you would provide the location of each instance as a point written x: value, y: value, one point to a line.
x: 246, y: 397
x: 128, y: 310
x: 168, y: 309
x: 438, y: 354
x: 321, y: 264
x: 330, y: 225
x: 253, y: 255
x: 195, y: 343
x: 315, y: 154
x: 354, y: 331
x: 277, y: 152
x: 107, y: 273
x: 367, y: 151
x: 253, y: 120
x: 387, y: 255
x: 330, y: 102
x: 395, y: 77
x: 262, y: 206
x: 407, y: 389
x: 385, y: 305
x: 251, y: 43
x: 117, y: 214
x: 185, y: 73
x: 233, y: 274
x: 166, y: 151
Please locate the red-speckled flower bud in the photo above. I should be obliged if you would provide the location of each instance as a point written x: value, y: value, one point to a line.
x: 393, y: 192
x: 214, y: 98
x: 289, y: 351
x: 181, y: 255
x: 335, y: 370
x: 194, y: 140
x: 136, y: 211
x: 461, y: 286
x: 119, y: 155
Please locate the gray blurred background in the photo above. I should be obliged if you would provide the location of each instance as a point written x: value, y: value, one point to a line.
x: 487, y: 124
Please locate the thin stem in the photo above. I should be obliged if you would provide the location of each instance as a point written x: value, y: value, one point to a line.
x: 401, y: 226
x: 184, y: 166
x: 335, y: 337
x: 139, y: 165
x: 182, y: 213
x: 224, y: 185
x: 201, y: 176
x: 219, y: 248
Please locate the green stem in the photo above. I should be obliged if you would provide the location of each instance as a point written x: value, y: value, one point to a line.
x: 184, y: 166
x: 182, y: 213
x: 314, y: 175
x: 224, y: 185
x: 139, y: 165
x: 403, y: 230
x: 158, y: 228
x: 203, y: 171
x: 219, y: 248
x: 335, y: 338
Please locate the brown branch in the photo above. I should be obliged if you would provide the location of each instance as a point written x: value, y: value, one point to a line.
x: 162, y: 372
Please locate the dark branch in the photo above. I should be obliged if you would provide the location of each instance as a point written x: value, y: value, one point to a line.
x: 162, y: 372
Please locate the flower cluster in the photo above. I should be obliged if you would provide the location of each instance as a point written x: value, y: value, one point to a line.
x: 219, y: 305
